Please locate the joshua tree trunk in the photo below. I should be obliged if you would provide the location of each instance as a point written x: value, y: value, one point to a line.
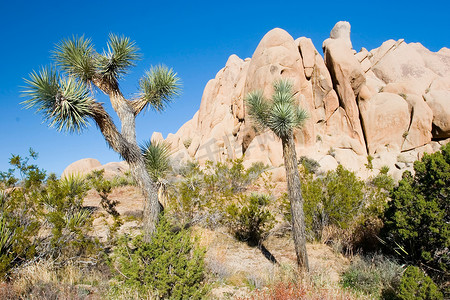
x: 125, y: 144
x: 296, y: 200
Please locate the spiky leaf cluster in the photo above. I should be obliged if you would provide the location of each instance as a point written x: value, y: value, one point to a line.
x: 76, y: 57
x: 281, y: 114
x: 158, y: 88
x: 120, y: 56
x: 156, y: 157
x: 64, y: 102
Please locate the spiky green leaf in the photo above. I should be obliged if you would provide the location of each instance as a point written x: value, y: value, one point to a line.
x: 282, y: 114
x: 258, y: 107
x: 77, y: 57
x: 158, y: 88
x: 156, y: 157
x: 65, y: 103
x: 120, y: 56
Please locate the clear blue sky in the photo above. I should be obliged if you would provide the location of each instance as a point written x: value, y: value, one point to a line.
x: 195, y: 38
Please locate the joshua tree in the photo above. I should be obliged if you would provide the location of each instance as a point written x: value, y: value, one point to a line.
x: 64, y: 95
x: 282, y: 116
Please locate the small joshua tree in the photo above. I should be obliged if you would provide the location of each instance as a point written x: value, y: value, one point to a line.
x: 282, y: 115
x: 64, y: 95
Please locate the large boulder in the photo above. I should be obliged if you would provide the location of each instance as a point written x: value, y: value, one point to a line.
x: 386, y: 119
x: 87, y: 165
x: 439, y: 102
x: 81, y: 167
x: 277, y: 56
x: 347, y: 75
x: 402, y: 62
x: 419, y: 131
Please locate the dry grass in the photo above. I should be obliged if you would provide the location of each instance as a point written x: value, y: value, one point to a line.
x: 44, y: 279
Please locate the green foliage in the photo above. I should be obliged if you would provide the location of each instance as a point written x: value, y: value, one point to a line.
x: 120, y: 56
x: 369, y: 164
x: 158, y: 87
x: 104, y: 187
x: 335, y: 199
x: 417, y: 285
x: 64, y: 102
x: 64, y: 93
x: 417, y: 221
x: 45, y: 205
x: 157, y: 161
x: 19, y: 210
x: 76, y: 57
x: 169, y: 264
x: 63, y: 210
x: 201, y: 194
x: 341, y: 200
x: 250, y: 218
x: 309, y: 164
x: 377, y: 276
x: 281, y: 114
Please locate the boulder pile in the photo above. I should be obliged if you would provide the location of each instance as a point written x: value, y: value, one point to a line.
x: 392, y: 103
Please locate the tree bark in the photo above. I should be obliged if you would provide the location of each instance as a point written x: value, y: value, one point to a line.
x: 296, y: 200
x: 125, y: 144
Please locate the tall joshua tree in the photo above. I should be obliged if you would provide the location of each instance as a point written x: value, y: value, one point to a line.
x: 282, y: 115
x: 65, y: 95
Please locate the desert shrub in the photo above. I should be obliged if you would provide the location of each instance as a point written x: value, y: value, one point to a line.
x: 417, y: 221
x: 417, y: 285
x: 366, y: 231
x: 334, y: 199
x: 20, y: 211
x: 311, y: 165
x: 104, y: 187
x: 232, y: 177
x: 169, y: 265
x: 338, y: 205
x: 369, y: 164
x: 41, y: 215
x: 201, y: 195
x: 65, y: 215
x: 250, y: 218
x: 375, y: 275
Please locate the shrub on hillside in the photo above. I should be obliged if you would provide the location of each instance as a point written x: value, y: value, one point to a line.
x: 201, y: 194
x: 311, y: 165
x: 169, y: 265
x: 417, y: 221
x: 377, y: 276
x: 41, y: 215
x: 250, y: 218
x: 417, y: 285
x: 338, y: 205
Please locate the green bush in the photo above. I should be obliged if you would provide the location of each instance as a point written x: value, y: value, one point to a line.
x: 417, y: 221
x: 417, y: 285
x: 311, y: 165
x: 375, y: 275
x: 201, y: 195
x: 169, y: 267
x: 339, y: 206
x: 250, y: 218
x: 41, y: 214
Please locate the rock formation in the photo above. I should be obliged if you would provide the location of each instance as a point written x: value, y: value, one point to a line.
x: 87, y: 165
x: 392, y: 103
